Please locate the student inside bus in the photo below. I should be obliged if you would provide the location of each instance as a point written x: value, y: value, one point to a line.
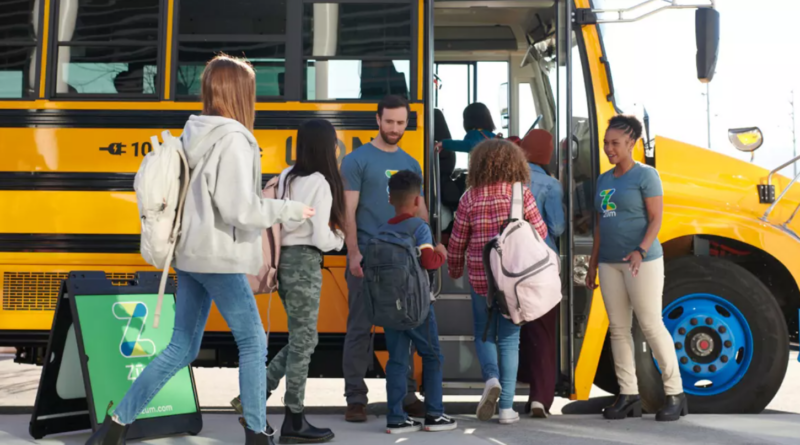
x: 479, y: 126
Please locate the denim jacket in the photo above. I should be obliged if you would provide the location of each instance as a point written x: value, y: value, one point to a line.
x: 549, y: 198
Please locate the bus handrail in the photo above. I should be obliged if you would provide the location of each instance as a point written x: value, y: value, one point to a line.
x: 783, y: 193
x: 781, y: 167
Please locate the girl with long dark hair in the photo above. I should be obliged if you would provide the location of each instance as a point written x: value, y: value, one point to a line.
x: 314, y: 178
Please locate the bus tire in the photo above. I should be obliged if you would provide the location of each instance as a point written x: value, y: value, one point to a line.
x: 730, y: 337
x: 605, y: 377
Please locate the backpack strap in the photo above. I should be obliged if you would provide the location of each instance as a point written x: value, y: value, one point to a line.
x: 218, y: 132
x: 517, y: 202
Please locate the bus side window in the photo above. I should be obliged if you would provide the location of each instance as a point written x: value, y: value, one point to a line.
x: 107, y: 48
x: 356, y: 51
x: 255, y: 29
x: 18, y: 40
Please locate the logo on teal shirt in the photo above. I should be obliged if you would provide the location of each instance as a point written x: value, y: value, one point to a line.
x: 608, y: 207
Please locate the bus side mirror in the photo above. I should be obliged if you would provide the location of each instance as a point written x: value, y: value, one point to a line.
x: 747, y: 140
x: 706, y: 23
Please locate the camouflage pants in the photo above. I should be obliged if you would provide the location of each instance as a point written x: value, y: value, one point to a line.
x: 300, y: 284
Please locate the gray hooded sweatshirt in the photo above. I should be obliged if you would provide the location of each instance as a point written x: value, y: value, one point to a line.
x: 224, y: 214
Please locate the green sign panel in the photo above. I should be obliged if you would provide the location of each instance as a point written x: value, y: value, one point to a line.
x: 119, y: 343
x: 100, y: 344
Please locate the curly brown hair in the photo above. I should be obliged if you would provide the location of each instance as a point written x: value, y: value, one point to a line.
x: 496, y: 160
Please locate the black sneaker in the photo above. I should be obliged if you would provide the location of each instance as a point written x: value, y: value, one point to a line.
x: 440, y: 423
x: 409, y: 426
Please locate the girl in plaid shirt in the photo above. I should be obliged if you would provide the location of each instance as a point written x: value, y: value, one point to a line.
x: 494, y: 166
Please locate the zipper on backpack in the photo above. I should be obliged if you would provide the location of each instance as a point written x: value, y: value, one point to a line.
x: 234, y: 234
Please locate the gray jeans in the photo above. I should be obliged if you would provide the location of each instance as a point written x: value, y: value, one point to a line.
x: 357, y: 356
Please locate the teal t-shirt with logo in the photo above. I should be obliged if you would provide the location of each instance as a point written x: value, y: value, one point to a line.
x: 367, y: 170
x: 623, y: 214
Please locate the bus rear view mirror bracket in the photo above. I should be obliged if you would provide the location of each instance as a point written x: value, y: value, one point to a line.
x: 706, y: 26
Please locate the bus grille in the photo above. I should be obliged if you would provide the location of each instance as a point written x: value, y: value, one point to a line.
x: 38, y: 291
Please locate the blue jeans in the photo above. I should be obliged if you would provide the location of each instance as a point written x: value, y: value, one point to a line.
x: 398, y: 343
x: 503, y: 335
x: 236, y: 303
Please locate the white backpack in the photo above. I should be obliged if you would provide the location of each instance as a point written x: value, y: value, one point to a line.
x: 523, y: 272
x: 161, y: 185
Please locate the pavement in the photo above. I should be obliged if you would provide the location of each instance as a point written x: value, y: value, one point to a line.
x: 572, y: 423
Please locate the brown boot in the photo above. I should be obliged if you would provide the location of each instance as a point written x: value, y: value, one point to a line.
x: 415, y: 409
x: 356, y: 412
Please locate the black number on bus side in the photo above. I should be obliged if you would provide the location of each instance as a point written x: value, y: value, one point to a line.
x: 147, y: 147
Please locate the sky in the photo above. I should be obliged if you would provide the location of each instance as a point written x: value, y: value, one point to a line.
x: 653, y: 64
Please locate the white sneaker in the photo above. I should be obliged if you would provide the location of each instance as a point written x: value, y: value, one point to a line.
x: 488, y: 404
x: 508, y: 416
x: 538, y: 411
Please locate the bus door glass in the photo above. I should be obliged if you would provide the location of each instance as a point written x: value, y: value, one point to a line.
x: 574, y: 142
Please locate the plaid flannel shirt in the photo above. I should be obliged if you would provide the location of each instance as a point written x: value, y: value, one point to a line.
x: 480, y: 216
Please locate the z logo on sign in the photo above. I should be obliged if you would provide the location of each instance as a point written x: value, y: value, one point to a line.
x: 132, y: 345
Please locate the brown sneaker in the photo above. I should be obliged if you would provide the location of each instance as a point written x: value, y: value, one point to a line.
x: 415, y: 409
x: 356, y: 412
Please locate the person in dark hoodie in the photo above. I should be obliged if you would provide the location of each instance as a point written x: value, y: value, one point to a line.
x: 220, y: 243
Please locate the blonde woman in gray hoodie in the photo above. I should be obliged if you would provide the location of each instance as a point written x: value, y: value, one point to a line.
x: 220, y: 242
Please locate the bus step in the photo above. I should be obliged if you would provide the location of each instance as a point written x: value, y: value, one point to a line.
x: 474, y: 388
x: 454, y: 314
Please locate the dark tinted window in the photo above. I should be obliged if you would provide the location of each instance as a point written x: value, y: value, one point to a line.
x: 357, y: 50
x: 18, y: 42
x: 108, y: 47
x: 108, y: 20
x: 220, y: 17
x: 253, y: 29
x: 382, y: 30
x: 16, y: 20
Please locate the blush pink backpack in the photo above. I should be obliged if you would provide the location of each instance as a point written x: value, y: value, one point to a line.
x: 523, y: 272
x: 266, y: 281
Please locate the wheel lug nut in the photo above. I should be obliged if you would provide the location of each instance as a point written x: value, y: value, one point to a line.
x: 696, y: 368
x: 723, y: 329
x: 678, y: 346
x: 682, y: 331
x: 724, y: 359
x: 684, y: 360
x: 712, y: 368
x: 709, y: 321
x: 693, y: 321
x: 728, y: 343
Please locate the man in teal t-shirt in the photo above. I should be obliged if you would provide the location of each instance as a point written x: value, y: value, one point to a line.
x: 366, y: 172
x: 623, y: 214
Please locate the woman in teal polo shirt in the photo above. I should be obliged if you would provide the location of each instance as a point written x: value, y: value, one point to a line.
x: 629, y: 204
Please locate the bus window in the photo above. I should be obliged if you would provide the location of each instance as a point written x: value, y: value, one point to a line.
x: 19, y: 25
x: 107, y: 48
x: 255, y: 29
x: 356, y: 51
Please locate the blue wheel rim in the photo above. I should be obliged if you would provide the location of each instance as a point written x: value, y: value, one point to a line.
x: 713, y: 342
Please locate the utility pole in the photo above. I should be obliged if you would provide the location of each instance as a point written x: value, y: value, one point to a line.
x: 708, y: 112
x: 794, y: 135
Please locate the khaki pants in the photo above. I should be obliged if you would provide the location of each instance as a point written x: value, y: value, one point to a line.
x: 643, y: 294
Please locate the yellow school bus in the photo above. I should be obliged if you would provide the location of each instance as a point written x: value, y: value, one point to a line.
x: 84, y: 85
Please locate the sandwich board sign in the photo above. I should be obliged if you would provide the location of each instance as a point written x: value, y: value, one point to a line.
x: 101, y: 340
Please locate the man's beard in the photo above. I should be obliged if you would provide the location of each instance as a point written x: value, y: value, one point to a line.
x: 390, y: 139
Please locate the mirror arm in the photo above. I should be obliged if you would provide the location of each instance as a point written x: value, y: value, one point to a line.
x: 589, y: 16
